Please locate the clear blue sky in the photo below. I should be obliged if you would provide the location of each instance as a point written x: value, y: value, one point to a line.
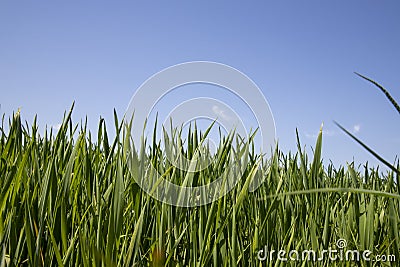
x: 302, y: 54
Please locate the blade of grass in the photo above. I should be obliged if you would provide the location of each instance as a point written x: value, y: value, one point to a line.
x: 391, y: 99
x: 393, y: 168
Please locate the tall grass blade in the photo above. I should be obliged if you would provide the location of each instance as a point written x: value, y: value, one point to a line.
x: 387, y: 94
x: 376, y: 155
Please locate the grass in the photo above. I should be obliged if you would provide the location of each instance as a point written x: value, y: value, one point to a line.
x: 68, y: 201
x: 366, y: 147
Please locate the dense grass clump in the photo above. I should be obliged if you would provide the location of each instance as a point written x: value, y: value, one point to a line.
x: 74, y: 202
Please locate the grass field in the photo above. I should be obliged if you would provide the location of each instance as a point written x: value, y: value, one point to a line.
x: 74, y: 202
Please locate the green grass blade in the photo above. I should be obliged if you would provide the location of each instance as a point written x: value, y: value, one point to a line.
x: 376, y: 155
x: 391, y: 99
